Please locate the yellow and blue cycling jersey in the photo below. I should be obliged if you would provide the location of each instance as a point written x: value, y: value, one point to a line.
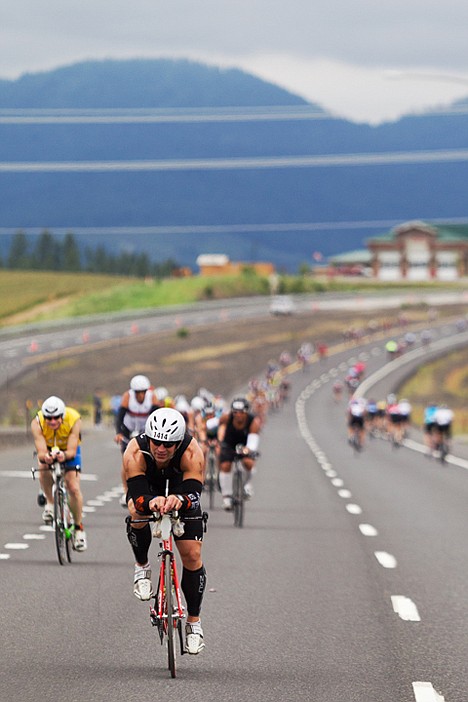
x: 59, y: 437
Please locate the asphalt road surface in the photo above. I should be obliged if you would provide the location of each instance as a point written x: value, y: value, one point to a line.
x: 346, y: 584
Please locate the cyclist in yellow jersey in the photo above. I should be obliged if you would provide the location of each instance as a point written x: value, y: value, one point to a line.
x: 56, y: 431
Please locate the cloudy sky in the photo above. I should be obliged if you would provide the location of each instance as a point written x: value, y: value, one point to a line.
x: 367, y: 60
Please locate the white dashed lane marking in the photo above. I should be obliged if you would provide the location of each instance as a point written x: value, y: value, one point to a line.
x: 353, y: 509
x: 368, y: 530
x: 405, y: 608
x: 16, y: 546
x: 424, y: 692
x: 106, y: 497
x: 385, y: 559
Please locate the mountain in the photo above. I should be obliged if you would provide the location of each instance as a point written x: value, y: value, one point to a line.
x: 140, y: 83
x: 176, y: 158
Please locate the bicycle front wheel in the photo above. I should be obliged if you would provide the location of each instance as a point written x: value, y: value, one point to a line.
x: 59, y: 524
x: 69, y: 527
x: 171, y: 620
x: 238, y: 497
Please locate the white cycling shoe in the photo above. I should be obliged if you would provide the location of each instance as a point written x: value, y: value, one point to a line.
x: 227, y: 503
x: 80, y: 542
x: 142, y: 585
x: 194, y: 638
x: 248, y: 491
x: 48, y: 514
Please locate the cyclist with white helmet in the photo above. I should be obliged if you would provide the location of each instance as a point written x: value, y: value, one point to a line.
x: 136, y: 405
x: 197, y: 404
x: 238, y: 426
x: 356, y: 417
x: 167, y: 453
x: 163, y: 399
x: 443, y: 418
x: 56, y: 431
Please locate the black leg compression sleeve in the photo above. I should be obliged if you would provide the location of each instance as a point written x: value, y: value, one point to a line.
x: 193, y: 586
x: 140, y: 541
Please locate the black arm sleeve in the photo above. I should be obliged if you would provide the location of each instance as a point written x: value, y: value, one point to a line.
x: 190, y: 491
x: 139, y: 491
x: 120, y: 427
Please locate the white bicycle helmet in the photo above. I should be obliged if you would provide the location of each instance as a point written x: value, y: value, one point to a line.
x: 161, y: 393
x: 181, y: 404
x: 53, y: 407
x: 140, y: 383
x: 166, y: 424
x: 197, y: 403
x: 241, y: 404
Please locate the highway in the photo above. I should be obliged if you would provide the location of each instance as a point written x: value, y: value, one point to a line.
x: 347, y: 583
x: 28, y: 345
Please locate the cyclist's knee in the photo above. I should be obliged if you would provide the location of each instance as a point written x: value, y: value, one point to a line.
x: 190, y: 553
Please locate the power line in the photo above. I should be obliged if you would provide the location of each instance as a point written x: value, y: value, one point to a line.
x: 198, y: 229
x: 268, y: 162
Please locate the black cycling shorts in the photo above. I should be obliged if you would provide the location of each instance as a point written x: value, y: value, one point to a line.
x: 193, y: 528
x: 227, y: 453
x: 444, y: 429
x: 356, y: 421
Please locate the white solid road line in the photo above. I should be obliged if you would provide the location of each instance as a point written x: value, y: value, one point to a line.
x: 405, y: 608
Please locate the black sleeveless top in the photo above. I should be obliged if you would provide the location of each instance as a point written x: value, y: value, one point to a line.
x: 234, y: 436
x: 157, y: 477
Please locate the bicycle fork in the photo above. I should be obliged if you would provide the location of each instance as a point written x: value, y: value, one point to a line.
x: 159, y: 617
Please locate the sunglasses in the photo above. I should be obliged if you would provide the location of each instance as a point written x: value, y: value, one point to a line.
x: 57, y: 416
x: 166, y: 444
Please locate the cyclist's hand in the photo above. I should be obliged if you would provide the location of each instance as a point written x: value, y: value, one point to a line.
x: 157, y: 504
x: 57, y: 455
x: 172, y: 503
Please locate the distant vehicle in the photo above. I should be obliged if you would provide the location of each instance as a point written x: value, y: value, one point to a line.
x: 282, y: 305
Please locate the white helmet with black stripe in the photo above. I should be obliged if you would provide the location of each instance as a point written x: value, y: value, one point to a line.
x: 165, y: 424
x: 53, y: 407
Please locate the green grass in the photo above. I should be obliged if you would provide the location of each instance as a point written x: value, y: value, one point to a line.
x: 444, y: 380
x: 22, y: 291
x: 41, y: 296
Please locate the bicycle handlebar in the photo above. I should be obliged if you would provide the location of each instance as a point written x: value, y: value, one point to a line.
x: 244, y: 452
x: 174, y: 519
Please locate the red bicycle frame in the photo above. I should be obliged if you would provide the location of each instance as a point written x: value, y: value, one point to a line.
x: 167, y: 551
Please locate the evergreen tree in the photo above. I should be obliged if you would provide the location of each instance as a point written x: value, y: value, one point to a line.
x: 47, y: 253
x: 71, y: 254
x: 19, y: 257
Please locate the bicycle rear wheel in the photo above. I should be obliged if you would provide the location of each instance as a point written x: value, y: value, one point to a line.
x: 211, y: 478
x: 238, y: 496
x: 171, y: 621
x: 443, y: 451
x: 59, y: 524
